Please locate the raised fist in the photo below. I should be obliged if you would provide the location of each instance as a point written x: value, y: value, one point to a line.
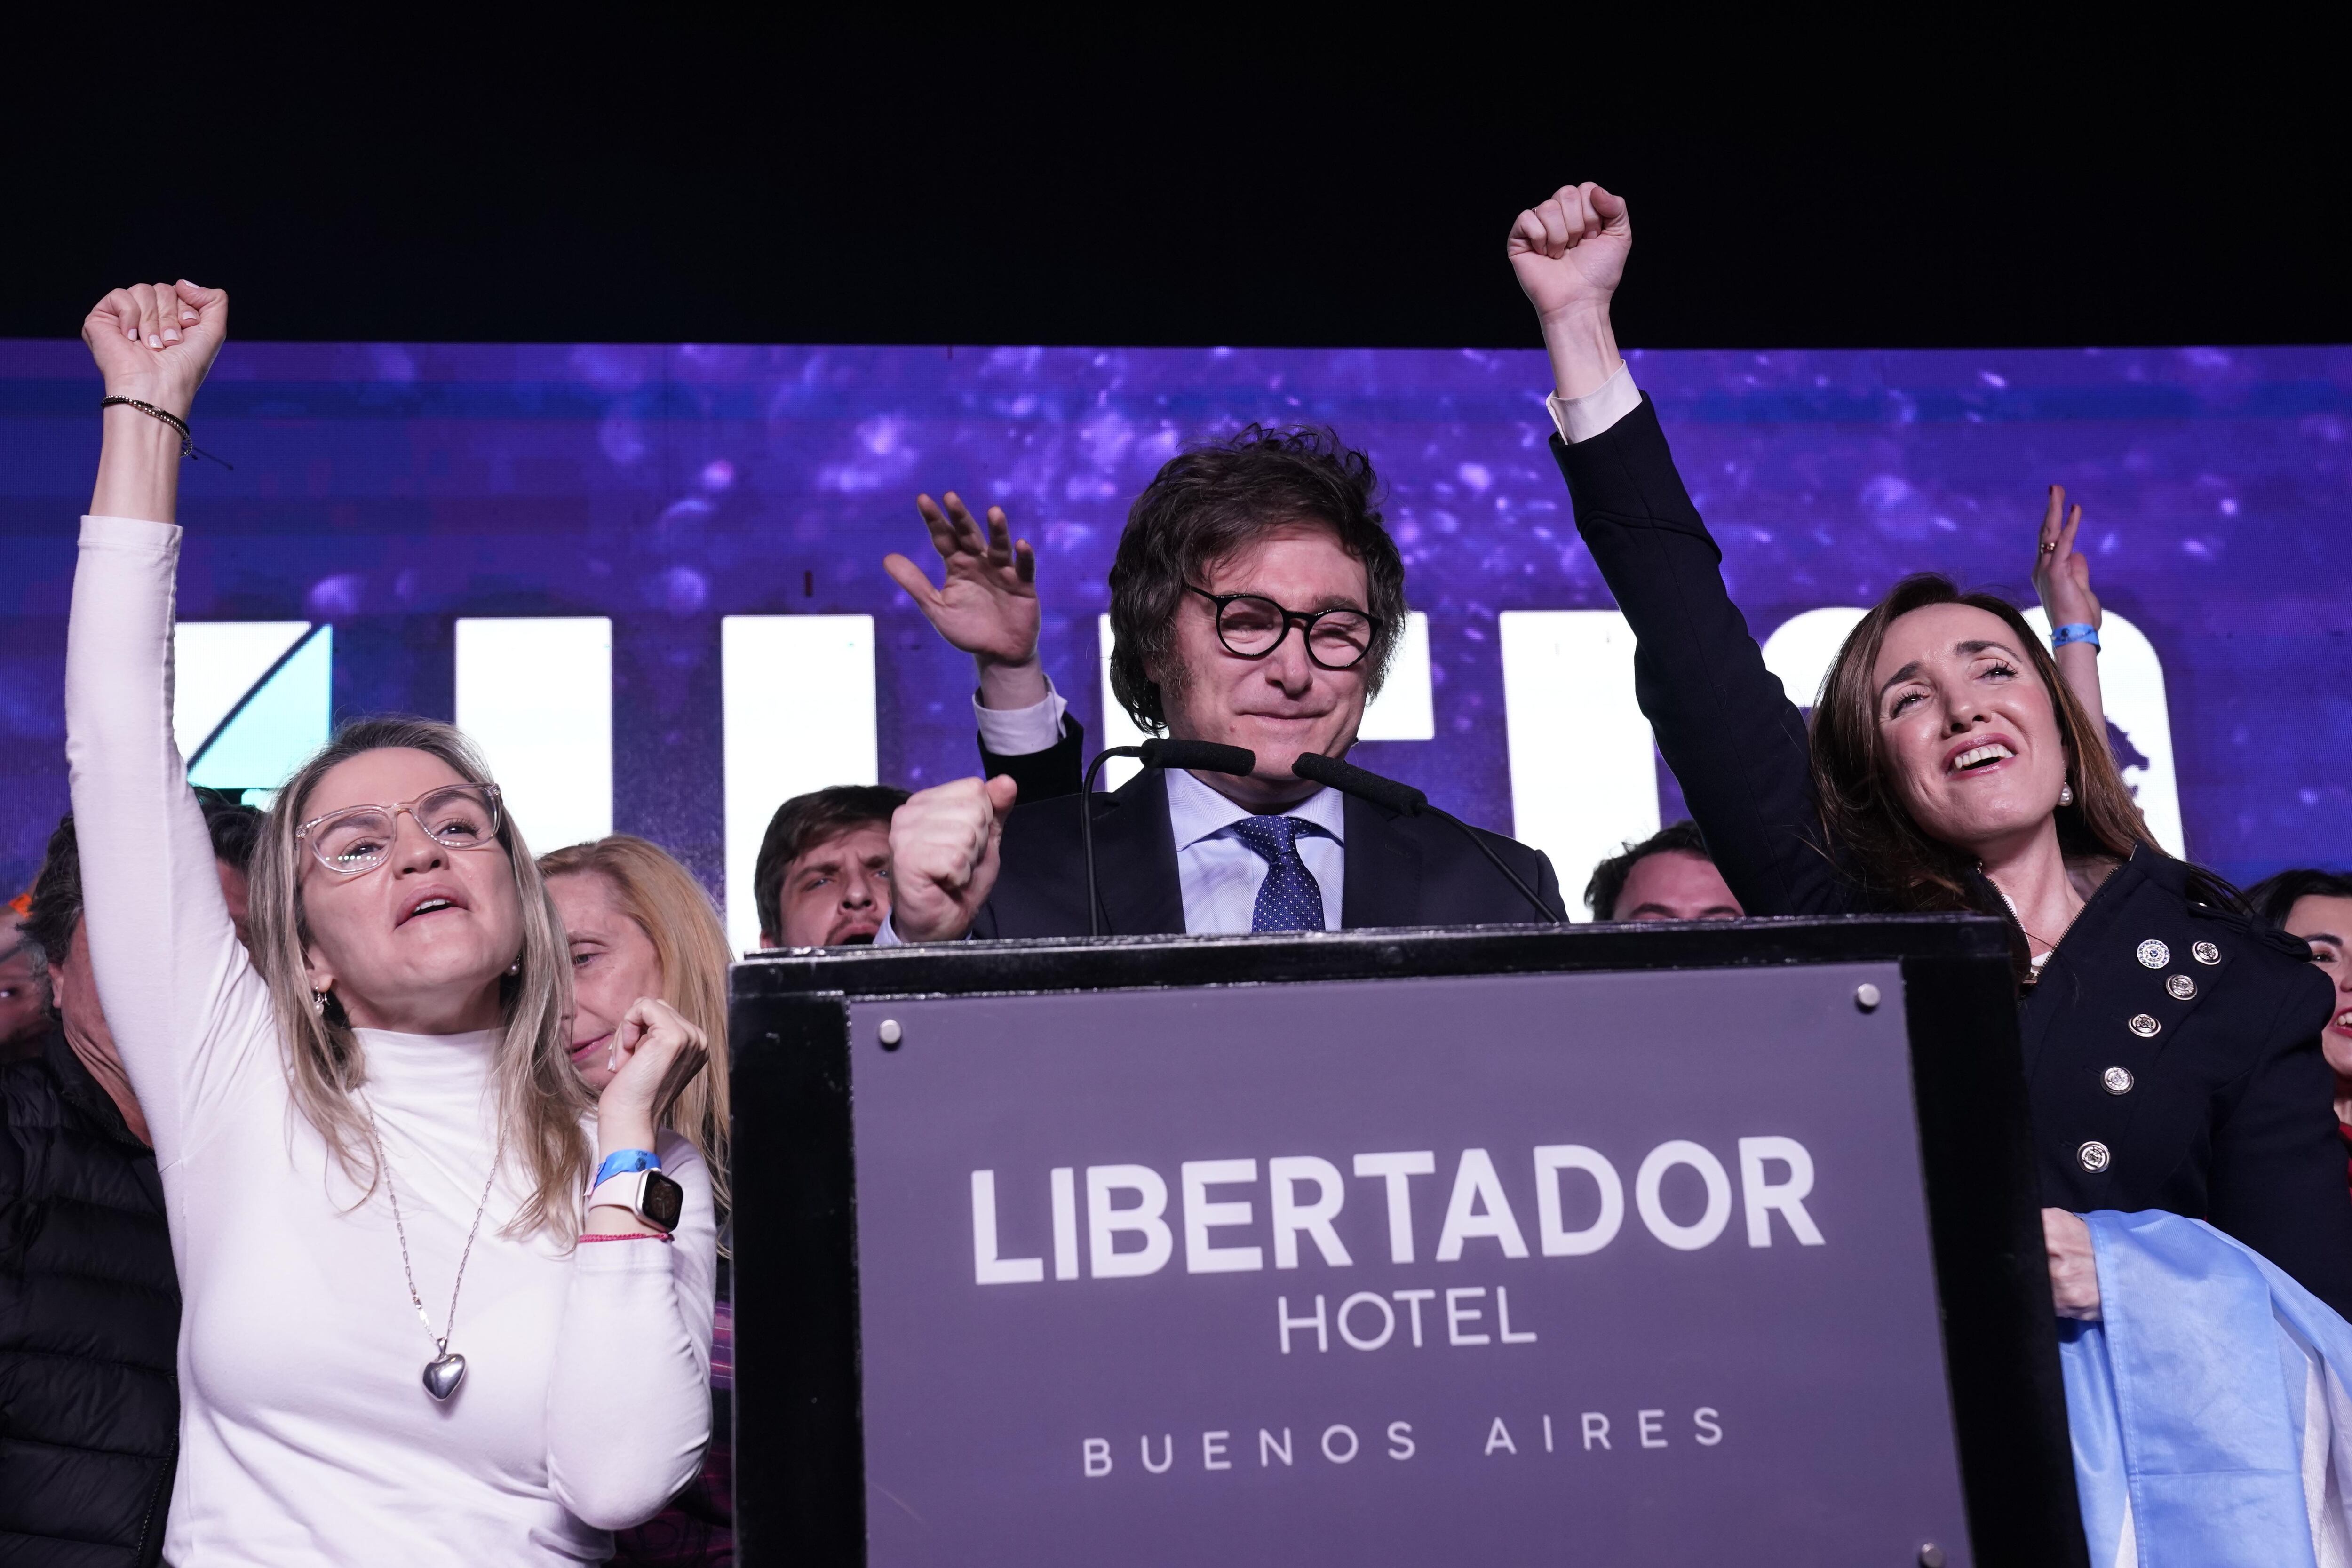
x: 1568, y: 252
x: 943, y: 845
x: 155, y: 342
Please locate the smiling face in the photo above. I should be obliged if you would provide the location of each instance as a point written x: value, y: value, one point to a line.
x: 1966, y: 728
x: 419, y: 942
x: 2327, y: 924
x: 1285, y: 703
x: 612, y: 966
x: 835, y: 893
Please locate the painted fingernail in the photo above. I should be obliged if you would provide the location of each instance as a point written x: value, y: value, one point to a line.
x: 171, y: 334
x: 153, y: 341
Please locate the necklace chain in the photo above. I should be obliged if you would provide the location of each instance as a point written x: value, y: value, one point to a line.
x: 383, y: 1164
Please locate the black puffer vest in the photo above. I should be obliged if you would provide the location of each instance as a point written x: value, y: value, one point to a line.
x: 90, y: 1324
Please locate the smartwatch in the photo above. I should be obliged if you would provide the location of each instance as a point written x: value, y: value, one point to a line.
x: 654, y: 1198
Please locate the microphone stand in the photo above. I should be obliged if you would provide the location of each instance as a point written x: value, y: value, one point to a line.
x: 1407, y: 801
x: 1206, y: 755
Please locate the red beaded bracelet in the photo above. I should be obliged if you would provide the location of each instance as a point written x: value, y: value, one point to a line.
x: 630, y: 1235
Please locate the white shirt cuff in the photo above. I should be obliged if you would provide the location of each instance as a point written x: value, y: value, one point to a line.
x: 1017, y: 731
x: 1582, y: 418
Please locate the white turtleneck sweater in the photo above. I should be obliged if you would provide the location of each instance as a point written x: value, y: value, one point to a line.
x: 306, y: 1435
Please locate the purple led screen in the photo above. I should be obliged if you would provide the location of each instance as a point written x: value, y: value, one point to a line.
x: 389, y: 490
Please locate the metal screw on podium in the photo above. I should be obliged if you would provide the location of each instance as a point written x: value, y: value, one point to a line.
x: 1931, y: 1556
x: 1865, y: 996
x: 890, y: 1034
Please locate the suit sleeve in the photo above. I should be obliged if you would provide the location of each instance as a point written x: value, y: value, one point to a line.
x: 2277, y: 1180
x: 1734, y: 740
x: 1044, y: 776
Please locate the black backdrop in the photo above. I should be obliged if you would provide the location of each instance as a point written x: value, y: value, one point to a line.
x: 1254, y: 175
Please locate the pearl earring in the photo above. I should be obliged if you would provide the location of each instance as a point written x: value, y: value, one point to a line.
x: 2066, y: 794
x: 318, y: 1002
x: 515, y: 968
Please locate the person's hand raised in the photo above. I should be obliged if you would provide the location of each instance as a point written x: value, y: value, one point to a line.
x: 155, y: 342
x: 2061, y: 577
x: 987, y: 604
x: 1568, y: 252
x: 943, y: 856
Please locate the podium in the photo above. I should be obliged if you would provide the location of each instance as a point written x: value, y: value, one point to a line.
x: 1616, y: 1244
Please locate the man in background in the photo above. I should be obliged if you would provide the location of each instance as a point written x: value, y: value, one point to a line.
x: 23, y: 990
x: 822, y: 877
x: 89, y: 1302
x: 1669, y: 876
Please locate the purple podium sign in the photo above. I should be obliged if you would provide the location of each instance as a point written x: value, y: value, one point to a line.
x: 1626, y: 1266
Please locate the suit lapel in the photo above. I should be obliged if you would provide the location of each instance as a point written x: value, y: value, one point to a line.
x: 1384, y: 885
x: 1135, y: 860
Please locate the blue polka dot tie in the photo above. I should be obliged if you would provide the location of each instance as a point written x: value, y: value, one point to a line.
x: 1289, y: 899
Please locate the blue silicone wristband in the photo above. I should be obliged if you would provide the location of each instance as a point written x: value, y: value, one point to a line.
x: 2080, y: 631
x: 622, y: 1162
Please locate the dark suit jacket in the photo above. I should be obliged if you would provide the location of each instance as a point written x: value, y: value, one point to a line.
x: 1044, y: 776
x: 1401, y: 870
x: 2227, y: 1113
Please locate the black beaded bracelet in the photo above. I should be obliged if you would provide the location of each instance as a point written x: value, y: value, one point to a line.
x: 188, y: 447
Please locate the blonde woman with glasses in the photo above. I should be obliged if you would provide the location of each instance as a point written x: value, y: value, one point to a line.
x: 418, y: 1326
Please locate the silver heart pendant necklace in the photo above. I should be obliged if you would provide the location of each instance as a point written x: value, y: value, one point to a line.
x: 447, y: 1369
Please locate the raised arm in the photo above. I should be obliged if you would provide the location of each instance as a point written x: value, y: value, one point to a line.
x: 184, y: 1005
x: 2062, y: 579
x: 1734, y: 740
x: 986, y: 604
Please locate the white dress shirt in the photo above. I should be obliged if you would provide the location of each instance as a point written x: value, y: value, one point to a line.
x: 1221, y: 875
x: 1582, y: 418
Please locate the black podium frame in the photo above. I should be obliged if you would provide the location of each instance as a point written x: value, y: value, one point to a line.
x: 799, y: 1440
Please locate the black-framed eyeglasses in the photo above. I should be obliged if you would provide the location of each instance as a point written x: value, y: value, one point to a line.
x: 1253, y: 626
x: 359, y: 837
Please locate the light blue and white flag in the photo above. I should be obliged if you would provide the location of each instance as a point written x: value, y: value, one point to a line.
x: 2212, y: 1421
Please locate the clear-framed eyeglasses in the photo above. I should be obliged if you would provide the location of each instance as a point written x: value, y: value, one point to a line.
x: 359, y: 837
x: 1253, y: 626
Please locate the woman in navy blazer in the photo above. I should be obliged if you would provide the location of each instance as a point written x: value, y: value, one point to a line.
x: 2171, y: 1046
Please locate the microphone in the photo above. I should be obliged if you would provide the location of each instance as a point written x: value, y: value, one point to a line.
x: 1407, y: 801
x: 1206, y: 755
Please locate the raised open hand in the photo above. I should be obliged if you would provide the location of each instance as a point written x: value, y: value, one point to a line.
x: 155, y: 342
x: 1568, y: 252
x: 2061, y: 577
x: 988, y: 604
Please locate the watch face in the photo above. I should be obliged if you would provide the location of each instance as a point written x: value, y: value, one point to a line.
x: 664, y: 1201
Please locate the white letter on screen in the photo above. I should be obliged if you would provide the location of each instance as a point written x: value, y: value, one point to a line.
x: 1290, y: 1216
x: 1584, y: 771
x: 1397, y: 1168
x: 796, y: 710
x: 1664, y: 1158
x: 536, y: 695
x: 1065, y: 1222
x: 1200, y: 1216
x: 1145, y: 1216
x: 1551, y: 1161
x: 1098, y: 1456
x: 990, y: 1269
x: 1787, y: 1196
x: 1475, y: 1184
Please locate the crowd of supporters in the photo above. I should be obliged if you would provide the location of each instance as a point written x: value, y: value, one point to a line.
x: 278, y: 1084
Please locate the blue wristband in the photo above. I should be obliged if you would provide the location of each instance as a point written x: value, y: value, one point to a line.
x: 624, y: 1162
x: 2080, y: 631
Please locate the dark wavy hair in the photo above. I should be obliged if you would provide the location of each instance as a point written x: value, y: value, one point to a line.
x: 1609, y: 877
x: 2274, y: 897
x: 1862, y: 808
x: 56, y: 911
x: 1210, y: 502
